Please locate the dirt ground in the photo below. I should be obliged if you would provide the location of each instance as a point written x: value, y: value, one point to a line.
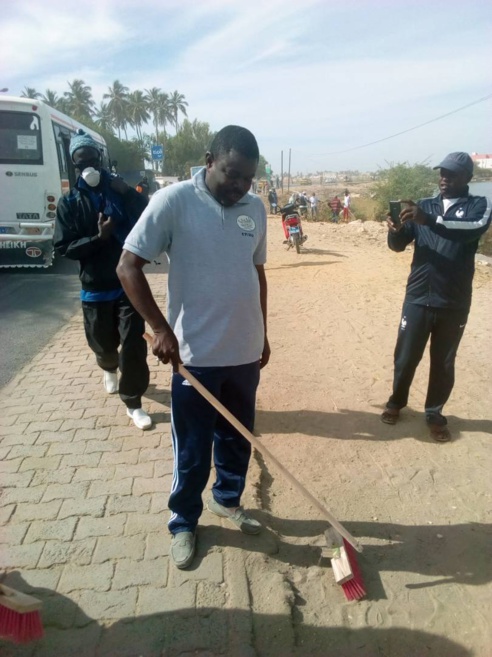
x: 420, y: 509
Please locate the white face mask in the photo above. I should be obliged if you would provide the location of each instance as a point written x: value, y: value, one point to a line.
x: 91, y: 176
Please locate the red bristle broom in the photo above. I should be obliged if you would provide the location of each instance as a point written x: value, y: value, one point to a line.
x: 343, y: 555
x: 20, y: 618
x: 344, y: 565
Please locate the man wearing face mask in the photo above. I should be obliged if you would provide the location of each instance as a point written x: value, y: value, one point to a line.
x: 92, y: 223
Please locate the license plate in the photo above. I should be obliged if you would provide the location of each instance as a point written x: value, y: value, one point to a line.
x: 4, y: 230
x: 293, y: 230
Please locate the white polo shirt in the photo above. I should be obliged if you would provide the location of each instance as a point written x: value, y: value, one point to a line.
x: 213, y: 287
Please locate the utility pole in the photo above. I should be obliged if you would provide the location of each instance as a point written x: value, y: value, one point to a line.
x: 288, y: 179
x: 282, y: 169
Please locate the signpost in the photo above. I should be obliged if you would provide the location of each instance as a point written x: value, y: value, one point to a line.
x: 157, y: 151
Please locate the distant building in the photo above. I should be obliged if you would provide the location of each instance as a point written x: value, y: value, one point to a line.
x: 483, y: 160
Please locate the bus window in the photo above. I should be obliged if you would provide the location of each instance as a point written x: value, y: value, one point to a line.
x: 67, y: 170
x: 20, y: 138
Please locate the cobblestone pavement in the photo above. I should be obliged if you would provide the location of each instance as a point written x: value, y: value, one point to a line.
x: 83, y: 514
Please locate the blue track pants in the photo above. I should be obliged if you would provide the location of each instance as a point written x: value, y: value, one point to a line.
x: 197, y: 428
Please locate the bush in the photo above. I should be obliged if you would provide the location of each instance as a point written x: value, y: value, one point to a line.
x: 402, y: 181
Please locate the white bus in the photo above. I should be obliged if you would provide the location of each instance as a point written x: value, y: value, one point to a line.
x: 35, y: 171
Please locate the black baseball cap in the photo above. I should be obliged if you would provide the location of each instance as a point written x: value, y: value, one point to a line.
x: 457, y: 162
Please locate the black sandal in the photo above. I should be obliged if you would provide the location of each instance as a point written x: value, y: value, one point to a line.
x: 390, y: 415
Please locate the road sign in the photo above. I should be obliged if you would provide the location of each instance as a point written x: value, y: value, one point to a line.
x: 157, y: 152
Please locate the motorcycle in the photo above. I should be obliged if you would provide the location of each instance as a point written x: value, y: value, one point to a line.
x: 291, y: 223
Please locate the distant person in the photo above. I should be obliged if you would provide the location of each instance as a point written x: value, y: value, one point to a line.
x: 346, y: 205
x: 272, y: 199
x: 216, y: 324
x: 336, y: 208
x: 314, y: 201
x: 143, y: 187
x: 92, y: 222
x: 303, y: 204
x: 445, y: 231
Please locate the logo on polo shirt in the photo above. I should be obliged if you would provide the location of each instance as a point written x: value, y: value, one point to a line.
x: 245, y: 222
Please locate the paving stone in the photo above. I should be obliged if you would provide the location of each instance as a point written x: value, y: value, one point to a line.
x: 13, y: 533
x: 145, y: 470
x: 16, y: 437
x: 159, y: 503
x: 209, y: 568
x: 4, y: 451
x: 40, y: 578
x: 96, y: 577
x: 62, y: 476
x: 99, y: 411
x: 129, y: 572
x: 31, y: 416
x: 118, y: 458
x: 62, y: 530
x: 209, y: 596
x: 66, y: 491
x: 81, y: 460
x: 78, y: 425
x: 41, y: 511
x: 158, y: 544
x: 164, y: 468
x: 95, y: 434
x: 67, y: 643
x: 157, y: 454
x: 116, y: 421
x: 93, y: 507
x: 12, y: 465
x: 43, y: 463
x: 143, y: 485
x: 152, y: 600
x: 21, y: 556
x: 11, y: 402
x: 9, y: 420
x: 110, y: 605
x: 89, y: 527
x: 6, y: 513
x: 74, y: 552
x: 149, y: 439
x: 94, y: 474
x: 16, y: 479
x: 118, y: 487
x: 56, y: 437
x: 34, y: 427
x: 64, y: 448
x: 27, y: 450
x: 102, y: 445
x: 127, y: 504
x: 143, y: 524
x: 21, y: 495
x: 130, y: 547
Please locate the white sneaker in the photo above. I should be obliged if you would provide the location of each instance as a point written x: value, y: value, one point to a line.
x: 140, y: 418
x: 110, y: 382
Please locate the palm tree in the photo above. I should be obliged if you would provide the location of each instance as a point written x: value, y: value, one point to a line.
x: 165, y: 113
x: 104, y: 118
x: 29, y: 92
x: 118, y: 105
x: 177, y: 103
x: 138, y: 111
x: 50, y: 98
x: 153, y: 98
x: 79, y: 99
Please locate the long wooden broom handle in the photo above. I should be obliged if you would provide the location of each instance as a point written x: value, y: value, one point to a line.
x: 264, y: 451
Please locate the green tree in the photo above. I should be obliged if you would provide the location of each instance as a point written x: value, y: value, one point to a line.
x: 51, y: 98
x: 187, y: 148
x: 138, y: 111
x: 79, y: 101
x: 153, y: 98
x: 403, y: 181
x: 29, y: 92
x: 177, y: 104
x: 103, y: 118
x: 118, y: 106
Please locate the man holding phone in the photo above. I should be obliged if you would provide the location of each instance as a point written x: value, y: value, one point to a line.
x: 445, y: 231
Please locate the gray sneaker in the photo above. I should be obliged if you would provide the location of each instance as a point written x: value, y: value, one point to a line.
x: 239, y: 517
x: 183, y: 549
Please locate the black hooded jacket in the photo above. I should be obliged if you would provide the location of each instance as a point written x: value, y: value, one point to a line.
x: 76, y: 237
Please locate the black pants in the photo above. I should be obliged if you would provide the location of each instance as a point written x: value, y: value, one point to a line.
x: 109, y: 324
x: 445, y: 328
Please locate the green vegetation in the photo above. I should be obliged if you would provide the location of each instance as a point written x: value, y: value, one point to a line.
x: 402, y: 181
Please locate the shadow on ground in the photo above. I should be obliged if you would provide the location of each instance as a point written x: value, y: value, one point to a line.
x: 211, y: 632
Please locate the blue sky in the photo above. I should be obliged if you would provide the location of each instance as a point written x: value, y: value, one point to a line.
x: 315, y: 76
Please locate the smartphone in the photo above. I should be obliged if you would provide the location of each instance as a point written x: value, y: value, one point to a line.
x: 395, y: 209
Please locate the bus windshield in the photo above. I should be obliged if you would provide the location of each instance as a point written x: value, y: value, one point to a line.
x: 20, y: 138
